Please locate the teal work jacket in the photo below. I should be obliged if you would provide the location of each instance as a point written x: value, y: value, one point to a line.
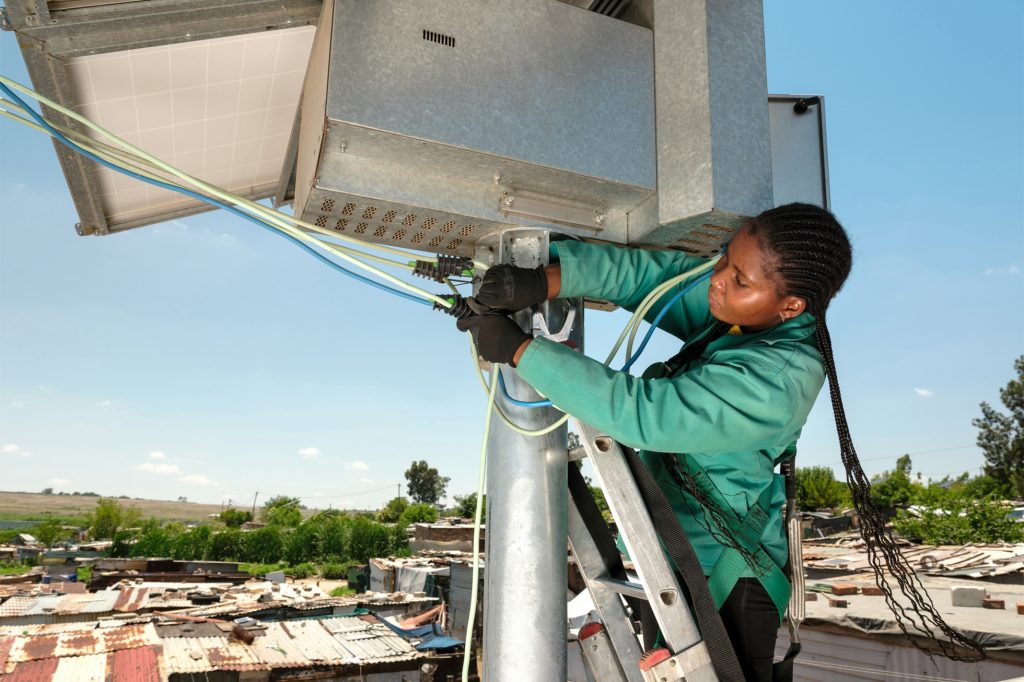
x: 733, y: 411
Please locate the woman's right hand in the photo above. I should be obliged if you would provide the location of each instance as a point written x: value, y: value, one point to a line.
x: 511, y: 288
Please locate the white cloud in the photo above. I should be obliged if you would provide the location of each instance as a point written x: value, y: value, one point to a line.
x: 46, y: 388
x: 16, y: 450
x: 17, y: 404
x: 924, y: 392
x: 1009, y: 270
x: 309, y: 453
x: 157, y: 454
x: 162, y: 469
x: 357, y: 466
x: 60, y: 481
x: 196, y: 479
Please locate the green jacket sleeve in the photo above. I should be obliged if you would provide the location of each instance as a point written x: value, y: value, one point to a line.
x: 736, y: 402
x: 625, y: 276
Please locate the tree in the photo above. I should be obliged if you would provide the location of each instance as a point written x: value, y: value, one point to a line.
x: 234, y: 518
x: 418, y: 513
x: 109, y: 516
x: 959, y: 521
x: 282, y: 510
x: 425, y: 484
x: 894, y: 489
x: 392, y: 511
x: 817, y: 488
x: 50, y: 532
x: 47, y: 491
x: 1001, y: 436
x: 465, y: 506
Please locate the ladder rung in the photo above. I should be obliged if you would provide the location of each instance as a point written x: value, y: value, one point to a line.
x: 630, y: 589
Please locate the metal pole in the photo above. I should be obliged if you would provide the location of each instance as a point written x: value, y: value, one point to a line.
x: 527, y: 501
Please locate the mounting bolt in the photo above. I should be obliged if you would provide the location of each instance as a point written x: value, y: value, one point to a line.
x: 343, y: 146
x: 31, y: 19
x: 599, y: 219
x: 497, y: 178
x: 509, y: 200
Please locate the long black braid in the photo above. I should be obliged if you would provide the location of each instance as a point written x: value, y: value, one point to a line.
x: 814, y: 257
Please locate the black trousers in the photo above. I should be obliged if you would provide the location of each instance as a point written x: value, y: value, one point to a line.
x: 750, y: 619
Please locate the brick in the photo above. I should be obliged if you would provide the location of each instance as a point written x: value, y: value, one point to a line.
x: 993, y: 603
x: 1020, y: 608
x: 872, y: 591
x: 813, y: 596
x: 968, y: 596
x: 837, y: 603
x: 840, y: 589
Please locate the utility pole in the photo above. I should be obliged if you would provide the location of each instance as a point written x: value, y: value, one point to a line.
x: 527, y: 507
x: 254, y: 504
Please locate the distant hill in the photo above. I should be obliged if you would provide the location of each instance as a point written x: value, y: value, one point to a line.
x: 36, y: 506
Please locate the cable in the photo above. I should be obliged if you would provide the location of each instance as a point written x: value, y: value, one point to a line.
x: 280, y: 220
x: 477, y: 514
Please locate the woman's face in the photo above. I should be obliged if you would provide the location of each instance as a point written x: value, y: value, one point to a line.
x: 745, y: 289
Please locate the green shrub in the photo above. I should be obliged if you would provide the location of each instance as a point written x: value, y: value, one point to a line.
x: 961, y: 521
x: 300, y: 571
x: 418, y: 513
x: 336, y: 571
x: 342, y: 592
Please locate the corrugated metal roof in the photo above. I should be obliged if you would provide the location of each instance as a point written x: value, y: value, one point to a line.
x: 142, y: 664
x: 291, y: 644
x: 5, y: 647
x: 43, y: 604
x: 92, y: 668
x: 15, y: 606
x: 33, y: 671
x: 82, y: 642
x: 131, y: 598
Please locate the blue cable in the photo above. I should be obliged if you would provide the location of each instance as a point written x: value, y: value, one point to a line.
x: 227, y: 207
x: 629, y: 363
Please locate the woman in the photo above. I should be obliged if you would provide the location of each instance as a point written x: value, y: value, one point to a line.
x: 729, y: 407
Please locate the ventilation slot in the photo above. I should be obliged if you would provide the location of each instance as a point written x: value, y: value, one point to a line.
x: 349, y: 209
x: 448, y: 226
x: 439, y: 38
x: 409, y: 220
x: 327, y: 206
x: 389, y: 216
x: 380, y: 231
x: 399, y: 234
x: 321, y: 220
x: 454, y: 244
x: 418, y: 237
x: 428, y: 223
x: 341, y: 225
x: 466, y: 230
x: 435, y: 241
x: 360, y: 228
x: 369, y: 212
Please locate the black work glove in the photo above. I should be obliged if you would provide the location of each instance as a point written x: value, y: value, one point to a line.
x: 496, y: 336
x: 511, y: 288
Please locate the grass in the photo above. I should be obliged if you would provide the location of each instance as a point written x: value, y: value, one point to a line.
x: 73, y: 509
x: 14, y: 569
x: 342, y: 592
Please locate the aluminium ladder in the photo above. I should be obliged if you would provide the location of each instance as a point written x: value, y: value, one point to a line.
x: 613, y: 652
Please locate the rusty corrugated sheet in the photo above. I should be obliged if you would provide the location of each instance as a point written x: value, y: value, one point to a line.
x: 92, y: 668
x: 142, y: 664
x: 83, y: 642
x: 33, y: 671
x: 131, y: 598
x: 5, y: 648
x: 191, y: 655
x: 315, y: 642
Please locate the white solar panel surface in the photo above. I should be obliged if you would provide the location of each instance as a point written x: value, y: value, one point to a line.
x: 219, y: 109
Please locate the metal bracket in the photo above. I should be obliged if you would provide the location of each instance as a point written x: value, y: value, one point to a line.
x: 5, y: 20
x: 540, y: 326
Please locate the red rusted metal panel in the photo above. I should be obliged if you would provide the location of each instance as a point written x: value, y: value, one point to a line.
x: 141, y: 664
x: 5, y: 649
x: 33, y: 671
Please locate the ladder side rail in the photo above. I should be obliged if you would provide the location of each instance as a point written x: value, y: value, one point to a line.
x: 608, y: 603
x: 678, y: 628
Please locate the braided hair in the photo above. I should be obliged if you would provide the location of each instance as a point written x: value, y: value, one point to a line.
x: 813, y: 257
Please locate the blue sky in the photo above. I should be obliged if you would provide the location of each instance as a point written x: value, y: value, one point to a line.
x: 207, y: 359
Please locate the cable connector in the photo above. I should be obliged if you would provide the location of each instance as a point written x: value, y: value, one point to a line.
x: 459, y: 309
x: 446, y: 266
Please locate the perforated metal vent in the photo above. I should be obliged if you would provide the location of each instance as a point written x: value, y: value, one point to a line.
x: 439, y: 38
x: 705, y: 241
